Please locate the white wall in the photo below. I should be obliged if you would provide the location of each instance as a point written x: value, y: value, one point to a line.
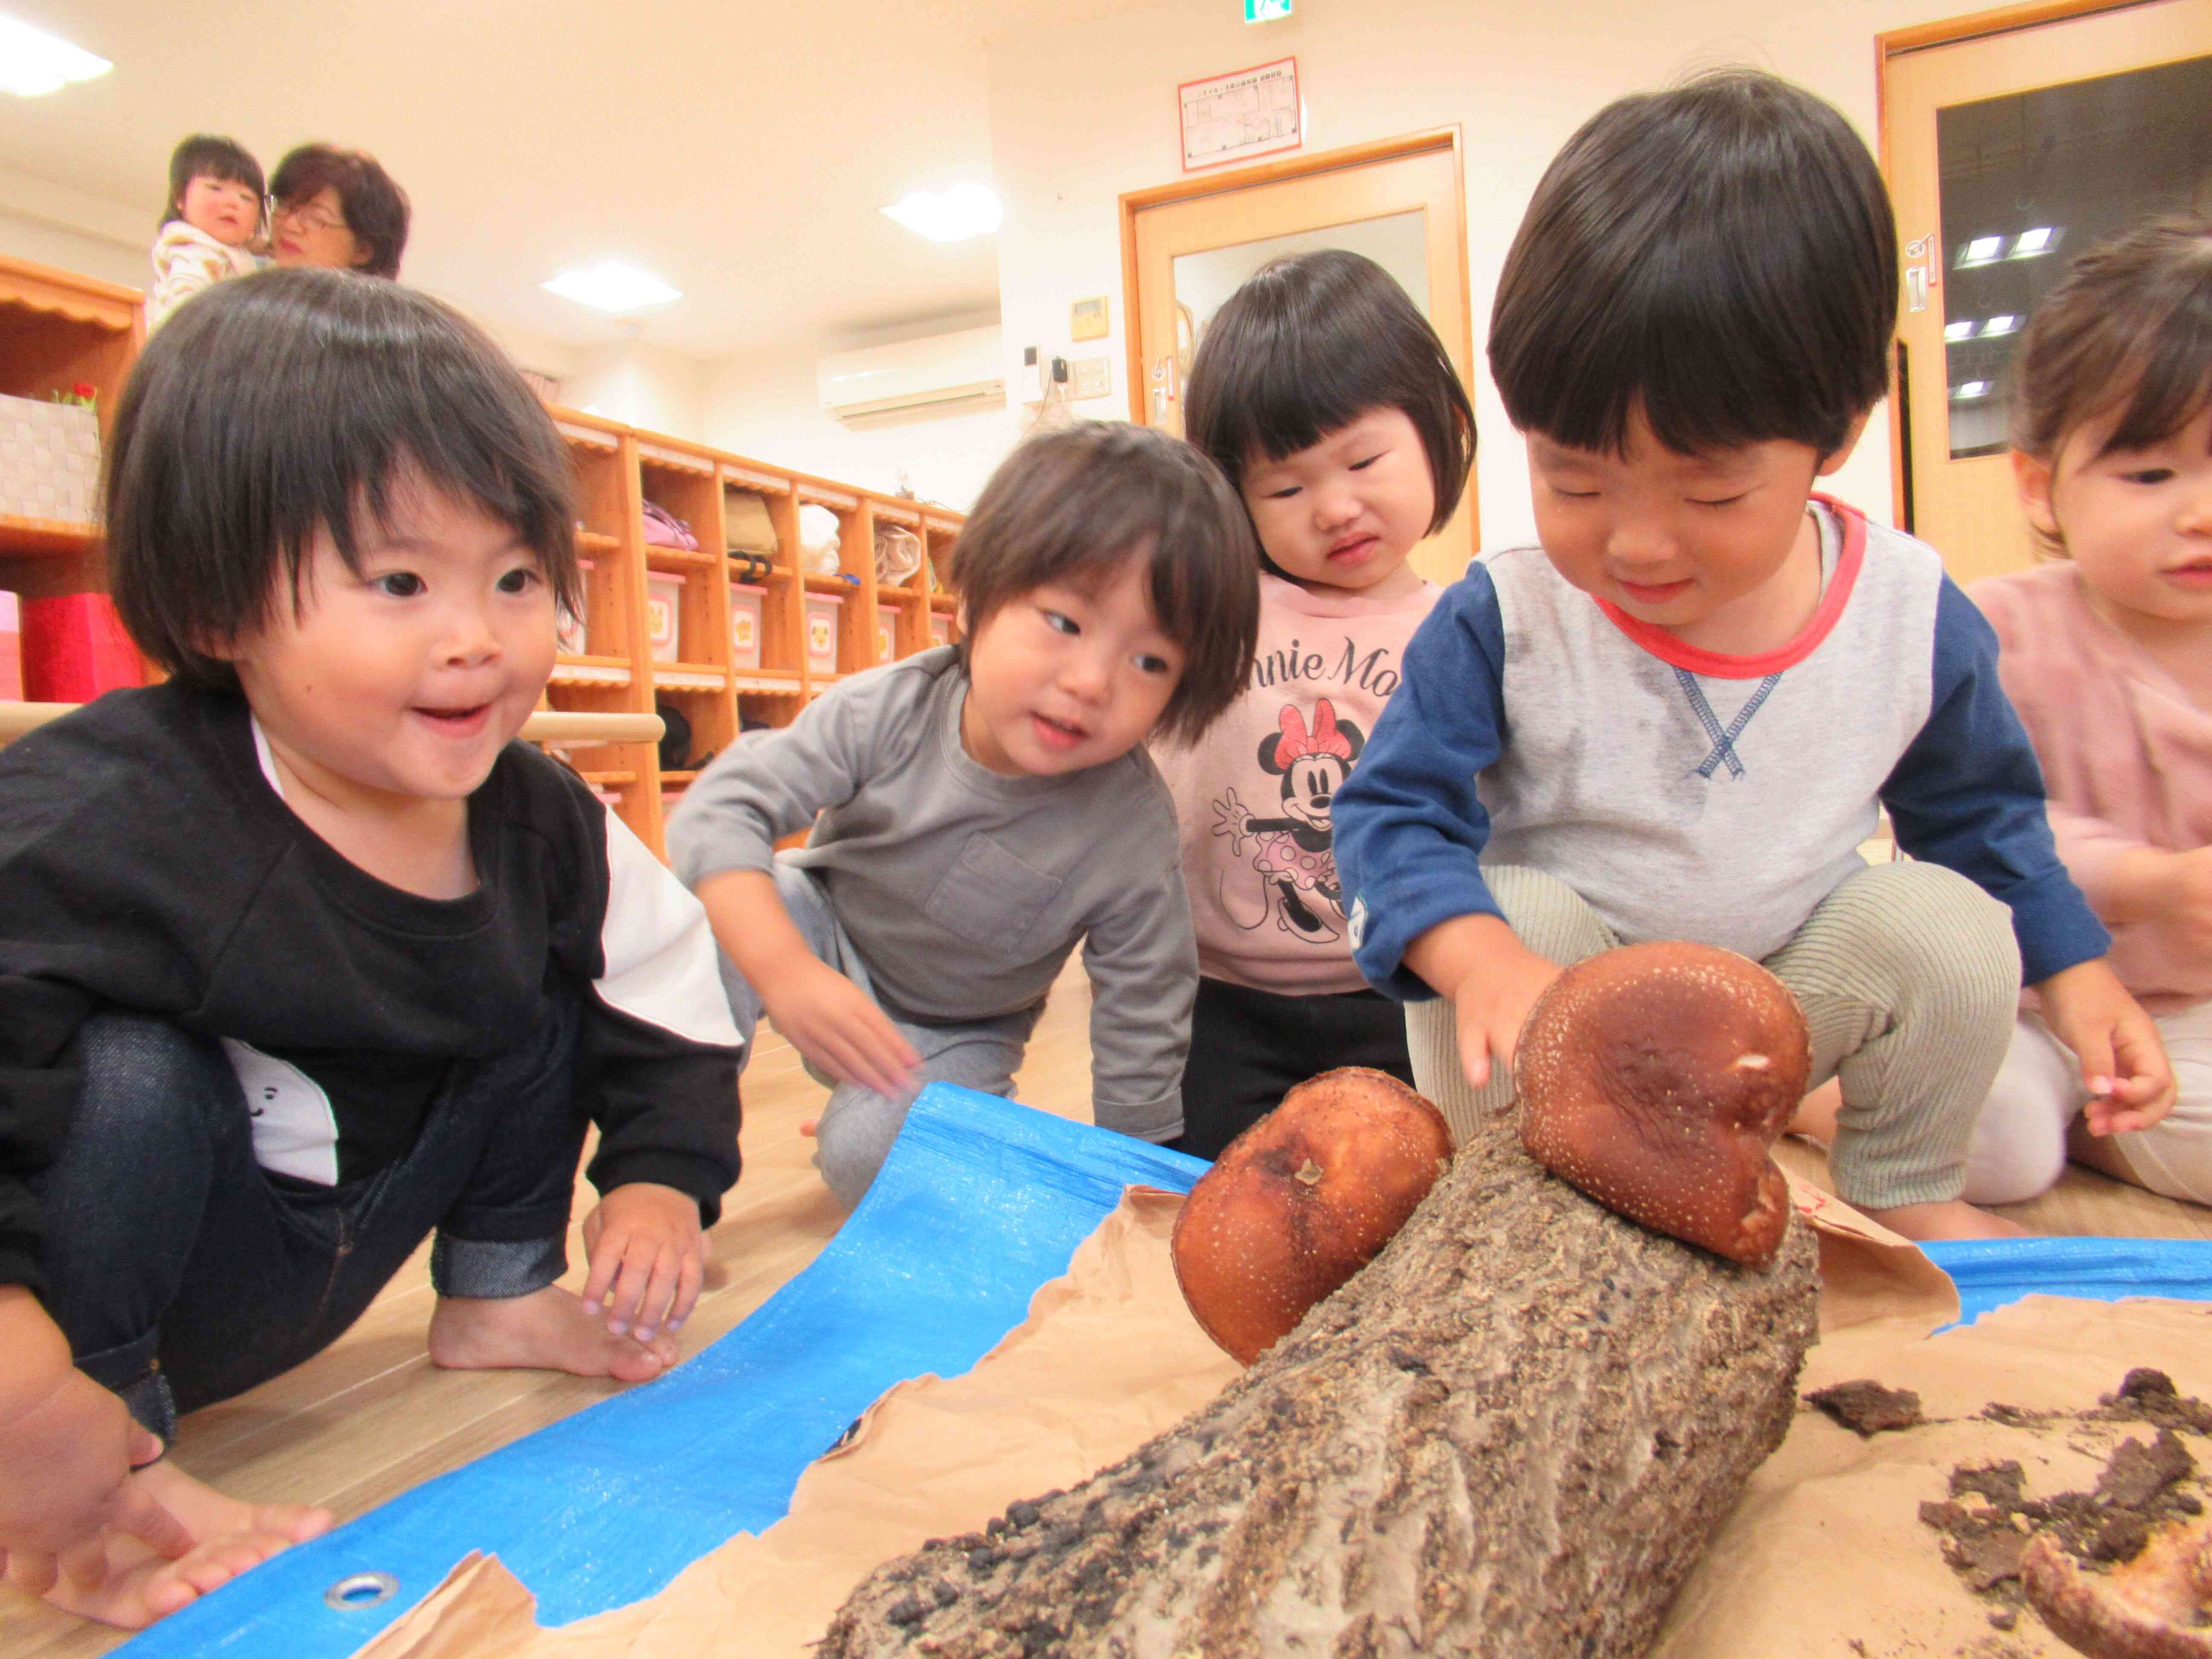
x: 1080, y: 114
x: 767, y: 406
x: 639, y: 384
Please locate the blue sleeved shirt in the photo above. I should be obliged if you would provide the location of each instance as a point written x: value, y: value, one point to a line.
x: 1690, y: 795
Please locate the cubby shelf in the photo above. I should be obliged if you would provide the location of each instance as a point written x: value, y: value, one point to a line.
x: 618, y: 469
x: 47, y: 538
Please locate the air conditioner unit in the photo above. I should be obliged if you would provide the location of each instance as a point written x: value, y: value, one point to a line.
x: 943, y: 373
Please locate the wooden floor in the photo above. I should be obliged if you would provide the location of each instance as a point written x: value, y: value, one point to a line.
x: 372, y: 1417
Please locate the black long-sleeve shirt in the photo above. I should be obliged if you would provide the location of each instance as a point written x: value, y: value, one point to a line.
x: 148, y: 863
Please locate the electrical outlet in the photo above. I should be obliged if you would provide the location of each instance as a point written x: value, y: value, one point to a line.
x: 1092, y: 378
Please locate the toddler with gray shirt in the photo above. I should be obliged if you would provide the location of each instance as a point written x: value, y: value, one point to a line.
x: 979, y: 810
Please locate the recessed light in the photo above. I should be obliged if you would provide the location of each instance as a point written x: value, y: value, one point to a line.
x: 2004, y: 323
x: 948, y: 216
x: 2032, y: 242
x: 1963, y: 331
x: 612, y: 286
x: 1970, y: 389
x: 33, y: 62
x: 1982, y: 250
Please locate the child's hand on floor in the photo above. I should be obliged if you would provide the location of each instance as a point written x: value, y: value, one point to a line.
x: 2124, y: 1064
x: 1492, y: 980
x: 837, y: 1028
x: 649, y: 1258
x: 67, y: 1448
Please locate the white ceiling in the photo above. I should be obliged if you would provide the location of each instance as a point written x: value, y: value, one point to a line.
x: 739, y: 150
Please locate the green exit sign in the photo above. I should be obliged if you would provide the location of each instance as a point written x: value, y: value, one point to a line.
x: 1266, y: 11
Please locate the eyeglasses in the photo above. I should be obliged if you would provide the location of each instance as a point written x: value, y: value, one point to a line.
x: 307, y: 218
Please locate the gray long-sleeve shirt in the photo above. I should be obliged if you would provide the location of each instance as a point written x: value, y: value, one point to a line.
x: 962, y: 889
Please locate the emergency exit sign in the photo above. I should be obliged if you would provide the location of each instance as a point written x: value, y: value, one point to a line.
x: 1266, y: 11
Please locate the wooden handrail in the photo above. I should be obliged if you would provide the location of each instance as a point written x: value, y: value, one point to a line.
x: 546, y: 726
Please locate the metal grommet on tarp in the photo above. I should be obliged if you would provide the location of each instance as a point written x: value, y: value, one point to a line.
x: 360, y: 1589
x: 980, y: 1202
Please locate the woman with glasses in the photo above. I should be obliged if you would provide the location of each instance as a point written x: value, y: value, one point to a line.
x: 337, y: 208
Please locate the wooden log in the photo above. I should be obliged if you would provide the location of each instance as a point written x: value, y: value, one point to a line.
x: 1512, y: 1435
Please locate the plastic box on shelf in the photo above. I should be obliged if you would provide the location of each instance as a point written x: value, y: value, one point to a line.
x: 940, y: 628
x: 887, y: 618
x: 663, y: 607
x: 822, y: 610
x: 746, y: 603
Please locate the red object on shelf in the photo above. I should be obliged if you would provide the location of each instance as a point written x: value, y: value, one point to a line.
x: 75, y: 649
x: 11, y: 649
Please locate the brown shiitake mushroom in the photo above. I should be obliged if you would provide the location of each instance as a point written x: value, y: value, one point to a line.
x: 1301, y: 1201
x: 1655, y: 1077
x: 2151, y: 1608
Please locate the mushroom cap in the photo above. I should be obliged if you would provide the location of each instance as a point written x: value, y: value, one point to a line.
x: 1655, y: 1078
x: 1301, y: 1201
x: 2146, y: 1608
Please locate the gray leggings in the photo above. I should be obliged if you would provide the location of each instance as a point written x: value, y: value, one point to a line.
x: 859, y: 1125
x: 1908, y: 973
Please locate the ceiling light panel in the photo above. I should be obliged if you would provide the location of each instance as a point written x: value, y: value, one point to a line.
x: 1960, y: 330
x: 949, y: 216
x: 612, y: 286
x: 33, y: 62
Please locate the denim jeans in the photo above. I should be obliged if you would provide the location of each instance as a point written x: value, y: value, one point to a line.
x: 182, y: 1272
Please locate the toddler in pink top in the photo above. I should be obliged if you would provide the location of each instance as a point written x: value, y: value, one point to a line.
x: 2107, y: 655
x: 1330, y: 402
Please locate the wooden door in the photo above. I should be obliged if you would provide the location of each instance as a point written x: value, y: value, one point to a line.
x: 1186, y: 247
x: 2009, y: 152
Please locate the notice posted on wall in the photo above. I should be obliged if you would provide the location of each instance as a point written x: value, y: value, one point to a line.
x: 1234, y: 118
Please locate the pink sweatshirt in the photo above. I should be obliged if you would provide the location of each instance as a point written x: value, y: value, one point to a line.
x: 1252, y: 799
x: 2127, y: 758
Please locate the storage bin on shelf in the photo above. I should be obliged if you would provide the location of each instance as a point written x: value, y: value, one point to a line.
x: 745, y: 601
x: 822, y: 610
x: 664, y: 608
x: 11, y: 648
x: 886, y: 631
x: 940, y: 628
x: 48, y: 460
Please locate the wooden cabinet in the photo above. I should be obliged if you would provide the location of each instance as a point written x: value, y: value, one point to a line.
x: 633, y: 585
x: 57, y: 329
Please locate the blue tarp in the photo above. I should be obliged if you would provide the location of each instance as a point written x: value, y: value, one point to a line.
x: 980, y: 1202
x: 1990, y: 1273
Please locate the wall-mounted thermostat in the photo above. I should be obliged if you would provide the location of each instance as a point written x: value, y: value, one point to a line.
x: 1087, y: 320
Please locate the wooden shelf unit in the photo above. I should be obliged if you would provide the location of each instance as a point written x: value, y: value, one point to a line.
x: 620, y: 468
x: 58, y: 329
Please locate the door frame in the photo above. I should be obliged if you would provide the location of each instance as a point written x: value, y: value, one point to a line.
x: 1269, y: 173
x: 1896, y: 43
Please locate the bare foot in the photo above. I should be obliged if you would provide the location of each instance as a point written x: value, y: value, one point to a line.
x: 230, y: 1534
x: 1954, y: 1220
x: 1816, y: 1114
x: 547, y: 1330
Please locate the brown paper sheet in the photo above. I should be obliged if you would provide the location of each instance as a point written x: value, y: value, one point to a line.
x: 1825, y: 1555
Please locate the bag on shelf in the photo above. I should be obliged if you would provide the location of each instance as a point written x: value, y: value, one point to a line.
x: 820, y: 538
x: 746, y: 526
x: 898, y: 555
x: 664, y: 529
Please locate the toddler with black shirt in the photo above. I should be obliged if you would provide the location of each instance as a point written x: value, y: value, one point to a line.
x: 301, y: 956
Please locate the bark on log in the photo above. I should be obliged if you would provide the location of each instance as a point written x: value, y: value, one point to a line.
x: 1511, y: 1435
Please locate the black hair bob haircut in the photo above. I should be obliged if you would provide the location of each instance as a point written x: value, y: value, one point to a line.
x: 205, y: 155
x: 1721, y: 256
x: 1308, y: 345
x: 279, y: 404
x: 1071, y: 505
x: 377, y: 211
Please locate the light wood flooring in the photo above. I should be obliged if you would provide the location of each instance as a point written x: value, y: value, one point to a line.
x: 372, y: 1417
